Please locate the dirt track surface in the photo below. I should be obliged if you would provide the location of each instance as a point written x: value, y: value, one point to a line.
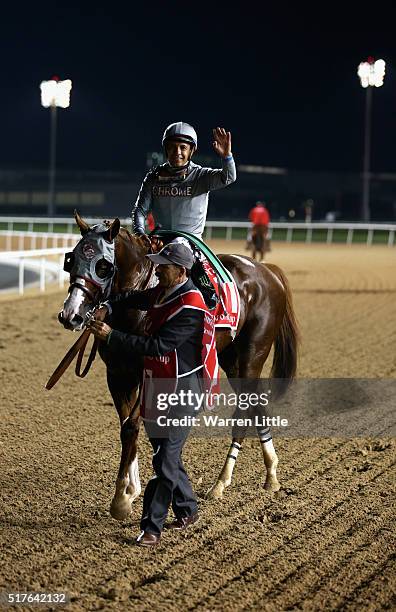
x: 324, y: 542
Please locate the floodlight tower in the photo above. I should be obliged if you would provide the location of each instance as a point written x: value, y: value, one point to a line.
x: 54, y: 93
x: 371, y: 74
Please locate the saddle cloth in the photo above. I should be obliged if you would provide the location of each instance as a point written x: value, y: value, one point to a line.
x: 228, y: 309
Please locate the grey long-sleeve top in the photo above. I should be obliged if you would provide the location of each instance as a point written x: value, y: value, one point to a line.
x: 181, y: 205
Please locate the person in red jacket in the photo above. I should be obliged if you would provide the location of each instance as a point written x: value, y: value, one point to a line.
x: 257, y: 239
x: 178, y: 348
x: 259, y: 215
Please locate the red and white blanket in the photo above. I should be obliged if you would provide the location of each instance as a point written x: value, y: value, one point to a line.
x: 228, y: 309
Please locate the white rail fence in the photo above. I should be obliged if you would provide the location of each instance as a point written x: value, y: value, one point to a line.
x: 34, y: 240
x: 46, y: 263
x: 315, y: 231
x: 327, y: 229
x: 21, y: 247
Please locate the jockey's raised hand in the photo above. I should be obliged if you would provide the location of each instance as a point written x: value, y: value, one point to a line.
x: 222, y: 142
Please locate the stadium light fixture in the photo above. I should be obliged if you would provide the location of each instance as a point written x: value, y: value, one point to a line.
x: 54, y: 93
x: 371, y: 74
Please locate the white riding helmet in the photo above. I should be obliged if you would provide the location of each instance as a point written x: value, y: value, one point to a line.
x: 181, y: 131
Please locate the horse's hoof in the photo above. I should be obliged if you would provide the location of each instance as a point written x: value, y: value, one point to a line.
x: 215, y: 492
x: 272, y: 485
x: 121, y: 507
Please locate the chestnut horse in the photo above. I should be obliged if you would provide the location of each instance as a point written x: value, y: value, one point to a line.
x: 266, y: 319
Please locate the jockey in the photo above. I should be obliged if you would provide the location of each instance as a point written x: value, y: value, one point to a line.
x: 177, y: 191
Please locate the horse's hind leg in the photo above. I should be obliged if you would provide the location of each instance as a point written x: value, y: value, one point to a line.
x: 228, y: 361
x: 128, y: 486
x: 245, y: 358
x: 270, y: 459
x: 225, y: 477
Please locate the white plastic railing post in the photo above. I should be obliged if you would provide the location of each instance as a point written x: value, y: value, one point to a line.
x: 30, y: 226
x: 209, y: 233
x: 391, y: 238
x: 308, y: 236
x: 33, y: 242
x: 289, y: 235
x: 329, y: 239
x: 61, y: 275
x: 370, y: 237
x: 350, y: 236
x: 20, y: 242
x: 42, y: 274
x: 229, y: 232
x: 21, y: 275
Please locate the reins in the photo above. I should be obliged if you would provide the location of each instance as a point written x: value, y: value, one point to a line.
x: 90, y: 360
x: 81, y: 343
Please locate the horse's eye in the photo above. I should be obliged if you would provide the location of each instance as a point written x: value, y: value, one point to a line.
x: 103, y: 268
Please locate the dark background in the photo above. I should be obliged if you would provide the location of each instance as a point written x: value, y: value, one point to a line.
x: 283, y: 79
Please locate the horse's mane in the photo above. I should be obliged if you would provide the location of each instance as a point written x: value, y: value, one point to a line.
x: 126, y: 235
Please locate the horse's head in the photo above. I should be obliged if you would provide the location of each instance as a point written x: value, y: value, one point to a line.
x: 92, y: 268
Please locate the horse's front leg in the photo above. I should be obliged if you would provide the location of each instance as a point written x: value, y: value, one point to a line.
x: 128, y: 486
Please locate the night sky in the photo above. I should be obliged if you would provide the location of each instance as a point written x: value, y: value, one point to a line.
x: 283, y: 81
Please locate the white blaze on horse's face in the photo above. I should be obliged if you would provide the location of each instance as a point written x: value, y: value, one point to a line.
x: 76, y: 307
x: 91, y: 267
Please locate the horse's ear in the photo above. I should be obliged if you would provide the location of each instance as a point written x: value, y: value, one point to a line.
x: 113, y: 230
x: 84, y: 227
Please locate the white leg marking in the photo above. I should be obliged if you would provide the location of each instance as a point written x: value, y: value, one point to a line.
x: 127, y: 490
x: 134, y: 488
x: 224, y: 480
x: 271, y: 463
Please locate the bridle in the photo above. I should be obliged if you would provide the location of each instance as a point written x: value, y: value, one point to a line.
x: 80, y: 284
x: 80, y: 345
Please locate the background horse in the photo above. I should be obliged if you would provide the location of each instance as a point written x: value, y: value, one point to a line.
x: 267, y: 318
x: 260, y: 244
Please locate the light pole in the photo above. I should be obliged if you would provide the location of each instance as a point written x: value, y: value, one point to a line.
x: 54, y: 93
x: 371, y: 74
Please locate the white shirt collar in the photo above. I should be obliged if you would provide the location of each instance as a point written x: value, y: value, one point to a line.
x: 169, y: 292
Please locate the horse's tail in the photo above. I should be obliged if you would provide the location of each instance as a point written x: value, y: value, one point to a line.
x: 284, y: 364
